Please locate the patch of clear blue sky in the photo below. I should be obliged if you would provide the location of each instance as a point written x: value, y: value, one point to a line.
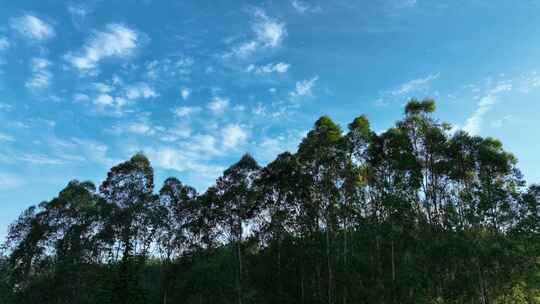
x: 84, y: 85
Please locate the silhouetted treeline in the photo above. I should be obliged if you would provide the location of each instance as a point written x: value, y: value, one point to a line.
x: 416, y: 214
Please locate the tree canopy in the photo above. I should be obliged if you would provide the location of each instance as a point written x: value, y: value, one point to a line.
x: 415, y: 214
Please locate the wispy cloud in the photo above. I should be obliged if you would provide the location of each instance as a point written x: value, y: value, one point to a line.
x: 78, y: 11
x: 118, y: 96
x: 4, y: 43
x: 268, y: 34
x: 192, y: 155
x: 186, y: 111
x: 413, y: 85
x: 166, y: 68
x: 116, y: 40
x: 279, y: 67
x: 218, y: 105
x: 304, y: 7
x: 406, y: 90
x: 40, y: 159
x: 10, y: 181
x: 268, y: 147
x: 304, y: 88
x: 234, y: 136
x: 474, y: 123
x: 41, y: 75
x: 32, y: 27
x: 6, y: 137
x: 141, y: 127
x: 140, y: 90
x: 182, y: 160
x: 529, y: 82
x: 185, y: 93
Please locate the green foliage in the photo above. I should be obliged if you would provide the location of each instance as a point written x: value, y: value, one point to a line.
x: 415, y: 107
x: 415, y: 214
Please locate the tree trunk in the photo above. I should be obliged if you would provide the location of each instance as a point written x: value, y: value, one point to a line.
x: 329, y: 265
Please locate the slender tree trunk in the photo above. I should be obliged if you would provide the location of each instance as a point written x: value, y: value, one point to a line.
x: 393, y: 263
x: 329, y: 265
x: 239, y: 274
x: 280, y: 283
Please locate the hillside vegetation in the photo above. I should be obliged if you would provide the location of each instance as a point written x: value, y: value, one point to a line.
x: 419, y: 213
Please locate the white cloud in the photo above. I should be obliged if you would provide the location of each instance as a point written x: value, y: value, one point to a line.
x: 40, y: 159
x: 78, y: 11
x: 501, y: 122
x: 39, y: 80
x: 260, y: 109
x: 245, y: 49
x: 40, y: 63
x: 279, y: 67
x: 269, y: 147
x: 300, y: 6
x: 303, y: 7
x: 168, y: 68
x: 41, y: 76
x: 32, y: 27
x: 304, y: 87
x: 218, y: 105
x: 268, y: 34
x: 413, y: 85
x: 140, y: 90
x: 186, y: 111
x: 6, y: 137
x: 116, y: 40
x: 405, y: 3
x: 406, y: 90
x: 233, y: 136
x: 139, y: 128
x: 183, y: 161
x: 203, y: 144
x: 474, y: 123
x: 181, y: 130
x: 185, y: 92
x: 529, y: 82
x: 79, y: 97
x: 80, y: 150
x: 102, y: 87
x: 193, y: 155
x: 4, y: 43
x: 10, y: 181
x: 104, y: 100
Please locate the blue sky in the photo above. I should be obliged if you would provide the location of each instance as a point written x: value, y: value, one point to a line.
x: 195, y: 84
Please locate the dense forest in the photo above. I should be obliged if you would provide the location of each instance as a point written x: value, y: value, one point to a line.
x: 419, y: 213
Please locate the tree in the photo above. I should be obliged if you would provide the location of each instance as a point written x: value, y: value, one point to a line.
x: 319, y: 154
x: 129, y: 189
x: 413, y: 214
x: 236, y: 191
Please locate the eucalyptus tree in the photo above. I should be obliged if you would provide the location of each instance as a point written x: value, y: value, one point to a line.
x: 280, y: 191
x: 237, y: 194
x: 355, y: 207
x: 73, y: 219
x: 178, y: 199
x: 61, y: 231
x: 413, y: 214
x: 395, y: 179
x: 27, y: 244
x: 133, y: 221
x: 319, y: 154
x: 176, y: 214
x: 428, y: 138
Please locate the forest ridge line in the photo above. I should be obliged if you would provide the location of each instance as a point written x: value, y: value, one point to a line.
x: 419, y: 213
